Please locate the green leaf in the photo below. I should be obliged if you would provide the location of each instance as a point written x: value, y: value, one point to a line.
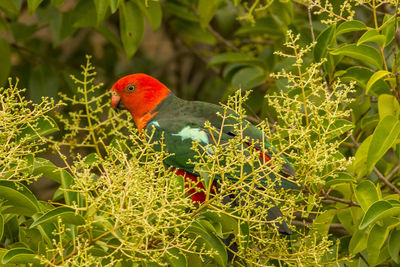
x: 1, y: 226
x: 383, y: 138
x: 388, y: 105
x: 324, y: 39
x: 81, y: 16
x: 388, y: 28
x: 248, y: 78
x: 323, y: 221
x: 358, y: 241
x: 206, y: 10
x: 19, y: 198
x: 114, y: 5
x: 20, y: 256
x: 366, y: 194
x: 350, y: 26
x: 10, y: 8
x: 374, y: 78
x: 379, y: 210
x: 41, y: 127
x: 180, y: 11
x: 175, y: 258
x: 152, y: 12
x: 131, y: 27
x: 67, y: 215
x: 5, y: 59
x: 110, y: 36
x: 394, y: 245
x: 67, y: 181
x: 339, y: 127
x: 362, y: 75
x: 364, y: 53
x: 101, y: 9
x: 342, y: 178
x: 233, y: 57
x: 33, y: 4
x: 359, y: 163
x: 213, y: 242
x: 47, y: 169
x: 42, y: 81
x: 372, y: 36
x: 376, y: 238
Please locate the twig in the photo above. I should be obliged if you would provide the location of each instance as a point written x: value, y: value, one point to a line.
x: 310, y: 20
x: 222, y: 39
x: 336, y: 199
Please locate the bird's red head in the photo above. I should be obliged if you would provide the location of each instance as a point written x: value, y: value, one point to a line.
x: 140, y: 94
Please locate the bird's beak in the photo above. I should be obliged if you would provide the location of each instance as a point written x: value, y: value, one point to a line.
x: 116, y: 102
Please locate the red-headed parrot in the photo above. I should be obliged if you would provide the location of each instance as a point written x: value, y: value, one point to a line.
x: 156, y: 109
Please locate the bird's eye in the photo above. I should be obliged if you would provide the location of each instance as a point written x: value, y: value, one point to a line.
x: 130, y: 88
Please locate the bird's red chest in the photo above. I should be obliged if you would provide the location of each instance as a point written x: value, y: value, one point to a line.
x: 190, y: 180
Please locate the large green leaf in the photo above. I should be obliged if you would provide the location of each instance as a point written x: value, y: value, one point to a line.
x: 5, y: 59
x: 366, y: 54
x: 372, y: 36
x: 387, y: 28
x: 394, y: 245
x: 361, y: 76
x: 20, y: 256
x: 379, y: 210
x: 249, y: 77
x: 383, y: 138
x: 359, y: 163
x: 101, y: 9
x: 175, y: 258
x: 131, y: 27
x: 350, y: 26
x: 323, y: 221
x: 114, y: 5
x: 388, y: 105
x: 366, y: 194
x: 206, y: 10
x: 374, y: 78
x: 19, y: 199
x: 1, y: 226
x: 376, y: 238
x: 324, y: 39
x: 67, y: 215
x: 46, y: 168
x: 152, y: 11
x: 358, y: 241
x: 212, y: 242
x: 33, y: 4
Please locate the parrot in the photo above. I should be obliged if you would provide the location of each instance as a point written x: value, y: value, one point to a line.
x: 156, y: 109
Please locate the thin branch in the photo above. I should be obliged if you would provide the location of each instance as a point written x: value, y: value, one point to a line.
x: 336, y: 199
x: 222, y: 39
x: 310, y: 20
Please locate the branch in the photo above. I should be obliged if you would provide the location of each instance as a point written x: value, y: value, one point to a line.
x: 336, y: 199
x: 222, y: 39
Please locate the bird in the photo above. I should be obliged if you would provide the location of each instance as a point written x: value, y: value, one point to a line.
x: 156, y: 109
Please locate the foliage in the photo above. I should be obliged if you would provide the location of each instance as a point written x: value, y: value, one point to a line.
x: 327, y: 98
